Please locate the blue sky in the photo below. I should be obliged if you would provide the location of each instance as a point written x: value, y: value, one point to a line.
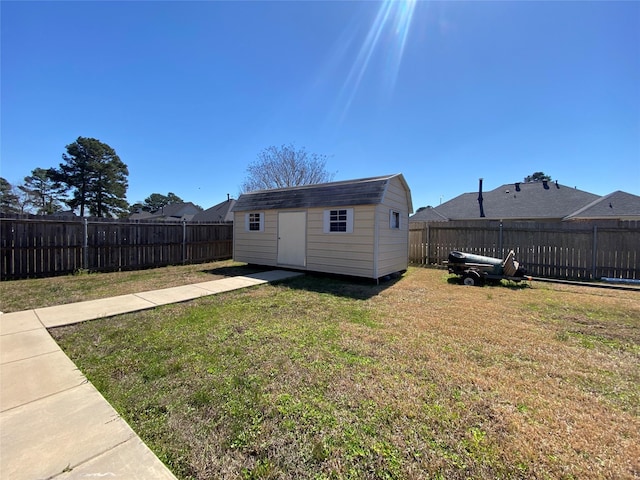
x: 188, y: 93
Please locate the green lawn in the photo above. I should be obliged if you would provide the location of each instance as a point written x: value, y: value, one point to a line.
x: 417, y: 378
x: 17, y: 295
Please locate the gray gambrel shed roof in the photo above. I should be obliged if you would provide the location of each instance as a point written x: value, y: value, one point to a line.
x: 364, y: 191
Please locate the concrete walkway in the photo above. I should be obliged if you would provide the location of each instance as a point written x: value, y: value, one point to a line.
x: 53, y: 422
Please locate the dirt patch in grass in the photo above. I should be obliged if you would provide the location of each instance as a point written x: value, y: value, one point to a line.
x: 419, y: 378
x: 17, y: 295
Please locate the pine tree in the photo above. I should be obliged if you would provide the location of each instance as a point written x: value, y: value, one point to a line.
x: 9, y: 201
x: 43, y: 193
x: 156, y: 201
x: 96, y: 176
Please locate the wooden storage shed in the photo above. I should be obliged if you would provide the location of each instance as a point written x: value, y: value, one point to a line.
x: 356, y: 227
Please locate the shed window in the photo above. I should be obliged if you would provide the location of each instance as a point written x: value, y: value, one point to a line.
x: 394, y: 219
x: 254, y: 222
x: 338, y: 221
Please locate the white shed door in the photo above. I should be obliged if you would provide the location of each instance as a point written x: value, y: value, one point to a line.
x: 292, y: 238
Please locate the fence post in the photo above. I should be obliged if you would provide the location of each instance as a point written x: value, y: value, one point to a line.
x: 594, y: 256
x: 184, y: 241
x: 85, y: 244
x: 428, y: 244
x: 500, y: 242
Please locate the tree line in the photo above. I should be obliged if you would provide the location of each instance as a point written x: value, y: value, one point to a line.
x: 93, y: 180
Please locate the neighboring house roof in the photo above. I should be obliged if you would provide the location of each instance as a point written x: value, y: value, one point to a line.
x: 521, y: 201
x: 618, y: 205
x: 218, y: 213
x: 173, y: 211
x: 429, y: 214
x: 364, y: 191
x: 141, y: 215
x: 64, y: 213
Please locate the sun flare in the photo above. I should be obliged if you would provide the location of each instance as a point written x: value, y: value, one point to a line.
x: 387, y: 37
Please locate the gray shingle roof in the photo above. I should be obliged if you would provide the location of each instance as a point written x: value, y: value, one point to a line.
x: 179, y: 210
x: 364, y: 191
x: 173, y: 211
x: 429, y: 214
x: 536, y: 200
x: 218, y: 213
x: 615, y: 205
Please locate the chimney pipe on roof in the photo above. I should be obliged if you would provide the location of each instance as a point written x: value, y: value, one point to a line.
x: 227, y: 197
x: 480, y: 199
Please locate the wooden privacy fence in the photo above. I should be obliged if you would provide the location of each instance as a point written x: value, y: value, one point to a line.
x: 586, y: 251
x: 39, y: 246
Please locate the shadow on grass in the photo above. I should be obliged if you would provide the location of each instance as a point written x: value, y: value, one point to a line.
x: 510, y: 284
x: 341, y: 285
x: 237, y: 270
x: 357, y: 288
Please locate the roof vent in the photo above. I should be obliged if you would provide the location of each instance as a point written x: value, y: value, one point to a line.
x: 557, y: 186
x: 545, y: 184
x: 517, y: 186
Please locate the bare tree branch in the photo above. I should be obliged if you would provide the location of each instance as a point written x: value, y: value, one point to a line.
x: 285, y: 166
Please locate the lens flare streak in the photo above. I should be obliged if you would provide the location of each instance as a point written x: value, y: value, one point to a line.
x: 391, y: 24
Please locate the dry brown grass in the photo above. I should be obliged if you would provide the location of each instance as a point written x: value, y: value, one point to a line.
x: 418, y: 378
x: 546, y: 363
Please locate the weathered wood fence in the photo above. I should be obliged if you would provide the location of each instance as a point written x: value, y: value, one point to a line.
x: 33, y: 246
x: 40, y: 246
x: 586, y: 251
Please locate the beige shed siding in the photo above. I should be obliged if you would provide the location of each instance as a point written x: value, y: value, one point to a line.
x: 372, y: 250
x: 256, y: 247
x: 393, y: 244
x: 343, y: 253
